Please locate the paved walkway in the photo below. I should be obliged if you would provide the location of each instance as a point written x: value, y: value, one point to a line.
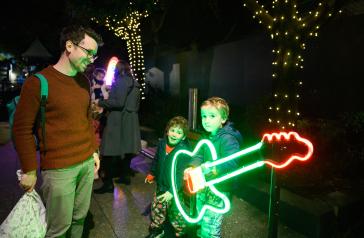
x: 122, y: 214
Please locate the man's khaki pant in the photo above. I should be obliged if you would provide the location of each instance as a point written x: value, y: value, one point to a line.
x: 67, y: 195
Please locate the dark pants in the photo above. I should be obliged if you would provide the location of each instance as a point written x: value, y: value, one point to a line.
x: 109, y: 167
x: 115, y: 166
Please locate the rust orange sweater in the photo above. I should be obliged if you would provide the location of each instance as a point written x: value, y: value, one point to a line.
x: 70, y: 136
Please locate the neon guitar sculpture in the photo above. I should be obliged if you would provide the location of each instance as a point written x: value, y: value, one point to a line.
x: 196, y: 178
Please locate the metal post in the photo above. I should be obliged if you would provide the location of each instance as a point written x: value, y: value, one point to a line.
x: 273, y: 216
x: 192, y: 108
x: 192, y: 124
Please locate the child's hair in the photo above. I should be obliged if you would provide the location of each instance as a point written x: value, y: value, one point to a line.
x: 178, y: 121
x: 99, y: 71
x: 220, y: 104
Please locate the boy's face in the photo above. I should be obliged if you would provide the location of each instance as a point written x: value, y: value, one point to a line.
x: 211, y: 119
x: 175, y: 135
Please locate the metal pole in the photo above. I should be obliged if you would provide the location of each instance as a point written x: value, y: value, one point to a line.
x: 273, y: 216
x: 192, y: 108
x: 192, y: 124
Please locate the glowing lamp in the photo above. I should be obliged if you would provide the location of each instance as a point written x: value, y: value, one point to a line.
x: 110, y: 72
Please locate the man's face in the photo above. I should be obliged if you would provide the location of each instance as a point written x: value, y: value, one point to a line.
x: 83, y: 53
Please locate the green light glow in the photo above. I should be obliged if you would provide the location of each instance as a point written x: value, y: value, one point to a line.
x: 233, y: 156
x: 200, y: 181
x: 197, y: 218
x: 235, y: 173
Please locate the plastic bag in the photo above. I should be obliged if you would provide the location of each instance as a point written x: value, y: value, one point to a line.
x: 27, y: 219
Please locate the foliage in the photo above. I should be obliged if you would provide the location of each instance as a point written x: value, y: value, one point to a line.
x: 338, y: 159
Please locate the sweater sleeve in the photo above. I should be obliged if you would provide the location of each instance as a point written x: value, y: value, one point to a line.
x: 24, y: 120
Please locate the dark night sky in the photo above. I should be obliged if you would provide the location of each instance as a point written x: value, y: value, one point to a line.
x: 202, y: 22
x: 22, y: 22
x: 44, y: 20
x: 185, y: 22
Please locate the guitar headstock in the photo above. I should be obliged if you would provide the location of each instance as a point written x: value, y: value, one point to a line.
x: 283, y: 148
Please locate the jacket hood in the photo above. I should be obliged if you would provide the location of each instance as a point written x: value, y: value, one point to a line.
x: 229, y: 129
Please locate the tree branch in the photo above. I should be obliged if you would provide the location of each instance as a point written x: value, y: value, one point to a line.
x: 318, y: 16
x: 259, y: 12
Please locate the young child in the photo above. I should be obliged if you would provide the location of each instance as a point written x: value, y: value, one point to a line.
x: 98, y: 84
x: 227, y: 140
x: 163, y: 205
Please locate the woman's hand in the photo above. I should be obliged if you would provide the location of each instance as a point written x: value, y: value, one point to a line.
x: 95, y: 107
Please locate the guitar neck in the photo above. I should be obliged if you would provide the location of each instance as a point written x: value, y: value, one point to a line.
x: 241, y: 170
x: 197, y: 179
x: 234, y: 156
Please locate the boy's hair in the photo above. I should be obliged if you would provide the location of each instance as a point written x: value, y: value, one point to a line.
x: 178, y: 121
x: 220, y: 104
x: 76, y: 33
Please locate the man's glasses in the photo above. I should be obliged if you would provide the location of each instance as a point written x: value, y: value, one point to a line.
x: 88, y: 52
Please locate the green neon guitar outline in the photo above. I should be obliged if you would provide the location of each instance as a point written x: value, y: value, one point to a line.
x: 198, y: 172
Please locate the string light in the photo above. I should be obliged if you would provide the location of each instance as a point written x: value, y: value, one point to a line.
x: 129, y: 29
x: 289, y: 30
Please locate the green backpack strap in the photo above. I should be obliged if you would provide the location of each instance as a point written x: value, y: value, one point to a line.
x: 43, y: 102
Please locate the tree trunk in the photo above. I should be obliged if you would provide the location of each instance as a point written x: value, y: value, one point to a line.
x: 286, y: 84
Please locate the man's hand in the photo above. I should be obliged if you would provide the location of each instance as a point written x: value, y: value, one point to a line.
x: 28, y: 181
x: 97, y: 162
x: 149, y: 179
x: 165, y: 197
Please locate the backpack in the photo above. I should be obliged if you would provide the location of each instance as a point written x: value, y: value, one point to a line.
x: 11, y: 106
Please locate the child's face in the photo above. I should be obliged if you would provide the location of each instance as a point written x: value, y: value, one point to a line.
x: 211, y: 119
x: 100, y: 76
x: 175, y: 135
